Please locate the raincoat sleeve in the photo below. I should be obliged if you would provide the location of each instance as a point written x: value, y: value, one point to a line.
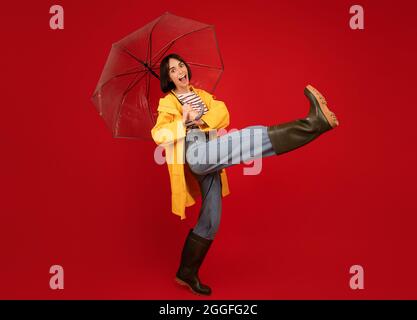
x: 217, y: 116
x: 169, y: 126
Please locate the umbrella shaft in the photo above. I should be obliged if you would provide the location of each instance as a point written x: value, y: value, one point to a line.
x: 150, y: 70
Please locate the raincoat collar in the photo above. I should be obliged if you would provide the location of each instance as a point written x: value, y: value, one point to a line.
x: 191, y: 87
x: 169, y: 104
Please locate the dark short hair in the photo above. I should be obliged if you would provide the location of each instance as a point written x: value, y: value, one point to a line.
x: 165, y: 81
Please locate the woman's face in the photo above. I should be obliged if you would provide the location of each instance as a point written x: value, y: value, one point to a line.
x: 178, y: 73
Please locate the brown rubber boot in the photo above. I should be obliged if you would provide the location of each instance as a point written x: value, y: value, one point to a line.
x: 292, y: 135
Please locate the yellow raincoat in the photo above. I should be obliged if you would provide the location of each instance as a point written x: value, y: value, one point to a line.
x: 169, y: 132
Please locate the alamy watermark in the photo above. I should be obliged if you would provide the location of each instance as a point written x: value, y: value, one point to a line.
x: 56, y: 282
x: 56, y: 22
x: 214, y: 150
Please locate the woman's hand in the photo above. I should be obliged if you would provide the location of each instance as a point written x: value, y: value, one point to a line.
x: 186, y: 108
x: 188, y: 113
x: 199, y: 122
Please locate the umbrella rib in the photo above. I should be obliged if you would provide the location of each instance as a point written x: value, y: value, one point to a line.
x: 148, y: 98
x: 140, y: 61
x: 127, y: 73
x: 149, y: 60
x: 120, y: 75
x: 132, y: 84
x: 165, y: 48
x: 130, y: 87
x: 217, y: 82
x: 149, y: 53
x: 204, y: 65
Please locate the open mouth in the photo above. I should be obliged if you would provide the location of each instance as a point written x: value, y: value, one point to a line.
x: 183, y: 78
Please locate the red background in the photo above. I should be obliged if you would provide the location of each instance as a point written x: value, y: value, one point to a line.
x: 100, y: 207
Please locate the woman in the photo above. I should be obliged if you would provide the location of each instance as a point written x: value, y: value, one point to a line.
x: 187, y: 118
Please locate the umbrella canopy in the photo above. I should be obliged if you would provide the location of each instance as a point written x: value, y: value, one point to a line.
x: 128, y: 91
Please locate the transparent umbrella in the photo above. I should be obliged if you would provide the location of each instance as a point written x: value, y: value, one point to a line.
x: 128, y: 91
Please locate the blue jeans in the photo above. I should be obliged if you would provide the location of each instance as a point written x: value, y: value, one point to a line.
x: 207, y: 157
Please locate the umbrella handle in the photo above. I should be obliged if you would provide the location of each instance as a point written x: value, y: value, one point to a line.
x: 200, y: 114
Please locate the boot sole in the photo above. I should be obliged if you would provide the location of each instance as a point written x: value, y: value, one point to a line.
x: 333, y: 122
x: 186, y: 284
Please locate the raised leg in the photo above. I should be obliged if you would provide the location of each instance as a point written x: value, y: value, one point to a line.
x: 205, y: 157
